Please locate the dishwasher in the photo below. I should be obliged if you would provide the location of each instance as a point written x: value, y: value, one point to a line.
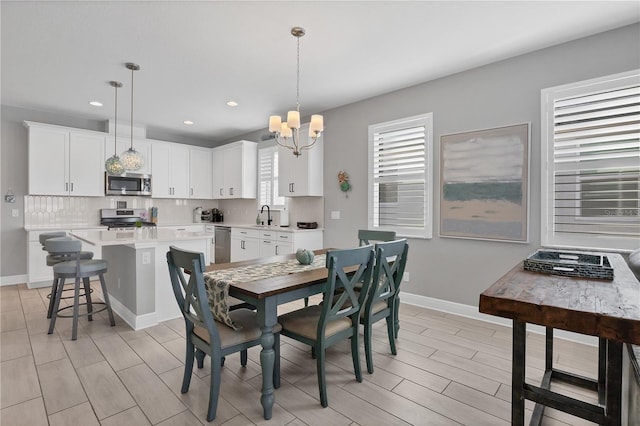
x: 223, y: 244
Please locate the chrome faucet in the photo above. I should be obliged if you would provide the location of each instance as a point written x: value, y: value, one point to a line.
x: 269, y: 220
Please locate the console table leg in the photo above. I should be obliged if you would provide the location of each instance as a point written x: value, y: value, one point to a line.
x: 518, y: 373
x: 602, y: 369
x: 614, y: 383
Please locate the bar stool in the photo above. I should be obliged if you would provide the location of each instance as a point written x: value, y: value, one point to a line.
x: 77, y: 269
x: 53, y: 259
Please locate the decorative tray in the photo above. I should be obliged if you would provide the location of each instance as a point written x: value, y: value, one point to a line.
x: 570, y: 264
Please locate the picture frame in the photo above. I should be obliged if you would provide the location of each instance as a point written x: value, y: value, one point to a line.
x: 484, y: 184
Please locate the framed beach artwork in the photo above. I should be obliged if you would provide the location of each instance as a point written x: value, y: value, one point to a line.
x: 484, y: 176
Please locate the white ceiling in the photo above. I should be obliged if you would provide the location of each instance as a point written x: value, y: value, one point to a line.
x: 195, y: 56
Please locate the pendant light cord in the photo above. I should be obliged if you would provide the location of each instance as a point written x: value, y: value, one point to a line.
x: 115, y: 126
x: 132, y: 108
x: 298, y: 76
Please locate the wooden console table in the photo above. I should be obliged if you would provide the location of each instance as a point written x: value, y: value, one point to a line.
x: 609, y: 310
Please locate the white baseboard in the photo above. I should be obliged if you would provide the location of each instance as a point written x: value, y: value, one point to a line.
x: 473, y: 312
x: 137, y: 322
x: 13, y: 279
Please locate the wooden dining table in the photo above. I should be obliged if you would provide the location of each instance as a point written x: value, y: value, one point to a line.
x: 609, y: 310
x: 266, y: 294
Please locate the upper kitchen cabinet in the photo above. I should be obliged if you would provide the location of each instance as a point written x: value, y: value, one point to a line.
x: 200, y: 175
x: 170, y: 170
x: 123, y: 143
x: 65, y: 161
x: 303, y: 175
x: 235, y: 170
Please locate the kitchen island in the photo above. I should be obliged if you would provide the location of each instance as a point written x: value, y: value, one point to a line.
x: 137, y: 277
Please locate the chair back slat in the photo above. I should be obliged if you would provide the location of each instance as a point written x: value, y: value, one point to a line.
x: 391, y: 259
x: 348, y: 303
x: 190, y: 293
x: 366, y: 236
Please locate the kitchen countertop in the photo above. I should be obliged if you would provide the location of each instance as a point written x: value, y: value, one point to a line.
x: 276, y: 228
x: 62, y: 227
x: 142, y: 236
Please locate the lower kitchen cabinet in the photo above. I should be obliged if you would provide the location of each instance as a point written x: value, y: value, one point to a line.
x: 248, y: 243
x: 245, y: 244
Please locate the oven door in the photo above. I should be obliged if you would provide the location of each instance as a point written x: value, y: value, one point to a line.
x: 128, y: 184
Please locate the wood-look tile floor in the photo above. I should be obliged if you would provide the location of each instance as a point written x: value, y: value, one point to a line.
x: 449, y: 370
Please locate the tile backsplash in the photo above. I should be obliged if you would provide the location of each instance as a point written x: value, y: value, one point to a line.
x: 85, y: 211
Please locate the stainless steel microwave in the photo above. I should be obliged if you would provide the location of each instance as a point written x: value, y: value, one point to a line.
x: 128, y: 184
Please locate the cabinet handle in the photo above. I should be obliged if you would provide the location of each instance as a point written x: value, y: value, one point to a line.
x: 71, y: 186
x: 230, y: 191
x: 220, y: 191
x: 66, y: 186
x: 191, y: 191
x: 276, y: 250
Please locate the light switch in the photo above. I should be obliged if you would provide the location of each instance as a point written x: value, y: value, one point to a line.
x: 15, y: 212
x: 335, y: 214
x: 146, y: 258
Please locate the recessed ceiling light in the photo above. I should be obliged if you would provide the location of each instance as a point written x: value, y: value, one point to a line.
x: 95, y: 103
x: 232, y: 103
x: 188, y: 122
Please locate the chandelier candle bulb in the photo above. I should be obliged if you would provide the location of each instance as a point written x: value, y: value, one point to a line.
x: 286, y: 131
x: 275, y: 123
x: 316, y: 125
x: 293, y: 119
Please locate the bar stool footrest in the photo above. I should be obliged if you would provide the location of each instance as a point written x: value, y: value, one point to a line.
x: 70, y: 297
x: 103, y: 307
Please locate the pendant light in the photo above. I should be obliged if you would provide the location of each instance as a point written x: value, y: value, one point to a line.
x: 113, y: 165
x: 287, y: 133
x: 131, y: 159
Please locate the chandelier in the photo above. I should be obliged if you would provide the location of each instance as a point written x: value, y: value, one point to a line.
x: 287, y: 134
x: 131, y: 159
x: 113, y: 165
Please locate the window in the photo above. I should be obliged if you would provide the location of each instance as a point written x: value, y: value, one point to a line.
x: 400, y: 176
x: 591, y: 163
x: 268, y: 177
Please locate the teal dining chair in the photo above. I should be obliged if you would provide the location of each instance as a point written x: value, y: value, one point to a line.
x: 206, y: 336
x: 383, y: 300
x: 366, y: 236
x: 321, y: 326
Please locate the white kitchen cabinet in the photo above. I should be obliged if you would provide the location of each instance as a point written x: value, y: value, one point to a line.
x: 123, y: 143
x: 170, y: 170
x: 200, y: 173
x: 245, y: 244
x: 303, y: 175
x: 235, y: 170
x: 65, y: 161
x: 274, y: 243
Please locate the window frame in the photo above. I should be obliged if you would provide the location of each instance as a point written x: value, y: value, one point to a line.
x: 273, y: 153
x: 548, y: 171
x: 425, y: 120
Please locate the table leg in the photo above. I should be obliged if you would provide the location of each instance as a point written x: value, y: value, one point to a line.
x: 613, y: 395
x: 518, y: 373
x: 267, y: 318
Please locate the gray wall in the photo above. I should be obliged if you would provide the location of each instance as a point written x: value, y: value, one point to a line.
x: 498, y: 94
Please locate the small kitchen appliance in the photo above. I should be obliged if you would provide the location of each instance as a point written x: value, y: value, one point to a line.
x: 133, y: 184
x: 197, y: 215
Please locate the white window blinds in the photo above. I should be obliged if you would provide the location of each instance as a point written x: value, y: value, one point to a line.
x: 591, y: 146
x: 400, y: 176
x: 268, y: 177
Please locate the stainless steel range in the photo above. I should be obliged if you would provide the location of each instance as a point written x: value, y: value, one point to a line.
x: 124, y: 218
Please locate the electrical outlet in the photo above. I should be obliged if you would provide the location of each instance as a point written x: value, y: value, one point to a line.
x: 335, y: 214
x: 15, y: 212
x: 405, y: 277
x: 146, y: 258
